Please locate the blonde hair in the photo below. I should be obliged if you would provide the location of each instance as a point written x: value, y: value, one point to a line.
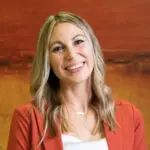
x: 44, y: 83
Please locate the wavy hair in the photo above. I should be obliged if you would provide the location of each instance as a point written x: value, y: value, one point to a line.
x: 45, y: 85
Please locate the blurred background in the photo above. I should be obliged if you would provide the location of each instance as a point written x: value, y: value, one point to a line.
x: 122, y: 28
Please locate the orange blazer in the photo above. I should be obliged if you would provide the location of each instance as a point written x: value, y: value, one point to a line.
x: 27, y: 128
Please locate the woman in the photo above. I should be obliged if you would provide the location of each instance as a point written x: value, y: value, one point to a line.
x: 72, y: 108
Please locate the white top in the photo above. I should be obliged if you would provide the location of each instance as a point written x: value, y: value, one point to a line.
x: 73, y: 143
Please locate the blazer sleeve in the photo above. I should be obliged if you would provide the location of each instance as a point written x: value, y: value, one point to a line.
x: 139, y: 137
x: 19, y: 135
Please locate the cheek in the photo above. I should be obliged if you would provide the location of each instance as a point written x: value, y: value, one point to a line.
x: 55, y: 62
x: 89, y: 53
x: 91, y: 61
x: 90, y: 58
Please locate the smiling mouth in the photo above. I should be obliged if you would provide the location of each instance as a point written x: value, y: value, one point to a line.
x: 75, y: 67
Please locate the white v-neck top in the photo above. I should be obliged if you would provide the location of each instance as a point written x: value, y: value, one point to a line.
x: 73, y: 143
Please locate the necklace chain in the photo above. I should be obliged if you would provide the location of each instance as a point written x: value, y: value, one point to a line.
x: 80, y: 113
x: 84, y: 115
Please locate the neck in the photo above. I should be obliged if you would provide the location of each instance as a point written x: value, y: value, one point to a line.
x: 76, y: 96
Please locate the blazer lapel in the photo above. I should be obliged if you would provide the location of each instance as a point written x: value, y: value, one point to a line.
x: 54, y: 143
x: 49, y: 143
x: 114, y: 139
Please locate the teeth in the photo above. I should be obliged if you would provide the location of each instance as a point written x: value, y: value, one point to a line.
x: 74, y: 67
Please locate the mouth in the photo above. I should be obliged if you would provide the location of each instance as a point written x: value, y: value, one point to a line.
x: 75, y: 68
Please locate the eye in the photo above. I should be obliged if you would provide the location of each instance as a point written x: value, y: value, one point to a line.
x: 57, y: 48
x: 77, y: 42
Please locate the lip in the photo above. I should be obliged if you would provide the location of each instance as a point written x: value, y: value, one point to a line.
x: 73, y: 64
x: 75, y: 70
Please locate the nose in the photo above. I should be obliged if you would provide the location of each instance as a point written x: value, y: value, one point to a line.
x: 70, y: 53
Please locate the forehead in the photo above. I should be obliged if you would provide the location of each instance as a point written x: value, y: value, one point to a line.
x: 65, y: 31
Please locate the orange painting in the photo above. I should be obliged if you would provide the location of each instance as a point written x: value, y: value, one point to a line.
x: 123, y: 29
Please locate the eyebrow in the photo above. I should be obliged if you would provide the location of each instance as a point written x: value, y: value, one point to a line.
x: 78, y: 35
x: 59, y: 42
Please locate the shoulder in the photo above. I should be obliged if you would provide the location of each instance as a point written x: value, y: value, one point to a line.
x: 124, y: 105
x: 131, y: 123
x: 26, y: 119
x: 24, y: 112
x: 129, y: 111
x: 25, y: 108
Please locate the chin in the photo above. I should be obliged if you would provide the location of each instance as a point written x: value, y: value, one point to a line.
x: 78, y: 80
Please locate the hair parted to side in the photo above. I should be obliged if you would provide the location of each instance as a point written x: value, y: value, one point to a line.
x: 44, y: 83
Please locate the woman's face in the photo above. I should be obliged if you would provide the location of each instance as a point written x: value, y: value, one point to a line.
x: 71, y: 54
